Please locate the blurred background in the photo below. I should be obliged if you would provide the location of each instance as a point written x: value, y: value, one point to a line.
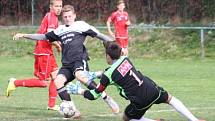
x: 20, y: 12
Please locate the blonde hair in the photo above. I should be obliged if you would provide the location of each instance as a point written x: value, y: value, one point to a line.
x: 67, y: 8
x: 52, y: 2
x: 120, y: 1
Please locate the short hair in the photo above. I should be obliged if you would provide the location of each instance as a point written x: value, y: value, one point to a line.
x: 67, y: 8
x: 52, y: 1
x: 113, y: 50
x: 120, y: 1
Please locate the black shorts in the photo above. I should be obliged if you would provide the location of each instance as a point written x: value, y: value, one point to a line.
x: 69, y: 70
x: 136, y: 110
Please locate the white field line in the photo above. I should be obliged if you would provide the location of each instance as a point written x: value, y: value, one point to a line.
x: 120, y: 114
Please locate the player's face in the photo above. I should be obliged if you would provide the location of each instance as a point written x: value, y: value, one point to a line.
x: 56, y: 7
x: 68, y: 17
x: 121, y: 6
x: 108, y: 59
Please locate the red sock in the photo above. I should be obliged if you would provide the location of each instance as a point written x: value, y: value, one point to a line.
x: 30, y: 83
x: 52, y: 94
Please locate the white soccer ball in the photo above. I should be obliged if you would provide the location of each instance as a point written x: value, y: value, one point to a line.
x: 67, y: 109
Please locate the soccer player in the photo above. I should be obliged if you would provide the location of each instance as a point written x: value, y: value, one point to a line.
x: 45, y: 66
x: 74, y: 54
x: 141, y: 91
x: 120, y: 20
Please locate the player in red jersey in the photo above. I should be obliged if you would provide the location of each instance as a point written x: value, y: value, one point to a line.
x: 120, y: 20
x: 45, y: 66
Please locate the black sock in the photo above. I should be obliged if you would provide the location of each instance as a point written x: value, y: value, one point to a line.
x: 62, y: 92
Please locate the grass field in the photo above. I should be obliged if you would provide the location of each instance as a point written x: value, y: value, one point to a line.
x: 192, y: 81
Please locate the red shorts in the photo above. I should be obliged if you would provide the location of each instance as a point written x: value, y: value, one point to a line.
x: 123, y: 43
x: 44, y: 65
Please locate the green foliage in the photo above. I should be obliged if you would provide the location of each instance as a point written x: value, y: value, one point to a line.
x: 208, y: 7
x: 142, y: 43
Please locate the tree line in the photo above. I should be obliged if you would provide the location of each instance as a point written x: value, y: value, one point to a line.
x: 18, y: 12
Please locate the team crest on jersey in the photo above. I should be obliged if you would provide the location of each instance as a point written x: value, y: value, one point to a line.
x: 124, y: 68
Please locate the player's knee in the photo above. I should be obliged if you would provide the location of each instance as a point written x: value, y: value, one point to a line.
x: 59, y: 81
x: 169, y: 98
x: 54, y: 74
x: 81, y: 76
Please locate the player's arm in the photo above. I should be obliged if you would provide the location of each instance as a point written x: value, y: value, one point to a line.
x: 56, y: 44
x: 108, y: 23
x: 103, y: 37
x: 29, y: 36
x: 128, y: 23
x: 96, y: 93
x: 93, y: 32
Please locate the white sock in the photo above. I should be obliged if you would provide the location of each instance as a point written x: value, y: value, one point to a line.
x: 142, y: 119
x: 179, y: 106
x: 104, y: 95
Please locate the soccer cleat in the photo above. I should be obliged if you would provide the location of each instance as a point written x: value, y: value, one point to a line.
x: 55, y: 108
x: 112, y: 104
x: 11, y: 86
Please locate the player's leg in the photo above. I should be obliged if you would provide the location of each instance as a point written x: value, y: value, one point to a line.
x: 52, y: 95
x: 90, y: 84
x: 181, y: 108
x: 124, y: 45
x: 51, y: 71
x: 32, y: 82
x: 61, y: 80
x: 14, y: 83
x: 165, y: 97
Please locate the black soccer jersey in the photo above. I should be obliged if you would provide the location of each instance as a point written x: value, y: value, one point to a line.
x: 72, y: 40
x: 132, y: 85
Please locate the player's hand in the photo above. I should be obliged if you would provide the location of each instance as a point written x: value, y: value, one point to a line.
x: 94, y: 75
x: 57, y: 46
x: 128, y: 23
x: 74, y: 88
x: 18, y: 36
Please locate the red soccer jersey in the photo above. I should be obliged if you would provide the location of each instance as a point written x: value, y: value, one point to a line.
x: 49, y: 21
x: 119, y: 19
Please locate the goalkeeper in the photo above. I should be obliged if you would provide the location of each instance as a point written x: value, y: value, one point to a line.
x: 141, y: 91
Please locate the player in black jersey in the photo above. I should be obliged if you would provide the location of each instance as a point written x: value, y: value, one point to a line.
x: 74, y: 54
x: 141, y: 91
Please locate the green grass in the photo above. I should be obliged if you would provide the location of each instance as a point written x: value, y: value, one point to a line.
x: 192, y: 81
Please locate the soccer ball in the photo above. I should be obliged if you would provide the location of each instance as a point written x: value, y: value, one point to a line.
x: 67, y: 109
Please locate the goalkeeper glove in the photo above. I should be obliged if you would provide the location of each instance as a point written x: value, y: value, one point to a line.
x: 74, y: 88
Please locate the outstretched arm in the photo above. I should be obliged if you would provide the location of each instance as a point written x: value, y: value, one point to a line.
x: 103, y: 37
x: 29, y: 36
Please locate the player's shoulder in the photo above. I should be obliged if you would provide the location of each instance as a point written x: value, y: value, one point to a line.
x: 81, y: 23
x: 114, y: 13
x: 60, y: 29
x: 126, y: 13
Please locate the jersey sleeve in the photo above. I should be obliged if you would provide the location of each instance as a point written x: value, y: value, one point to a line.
x: 51, y: 36
x: 87, y: 29
x: 96, y: 93
x: 112, y: 17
